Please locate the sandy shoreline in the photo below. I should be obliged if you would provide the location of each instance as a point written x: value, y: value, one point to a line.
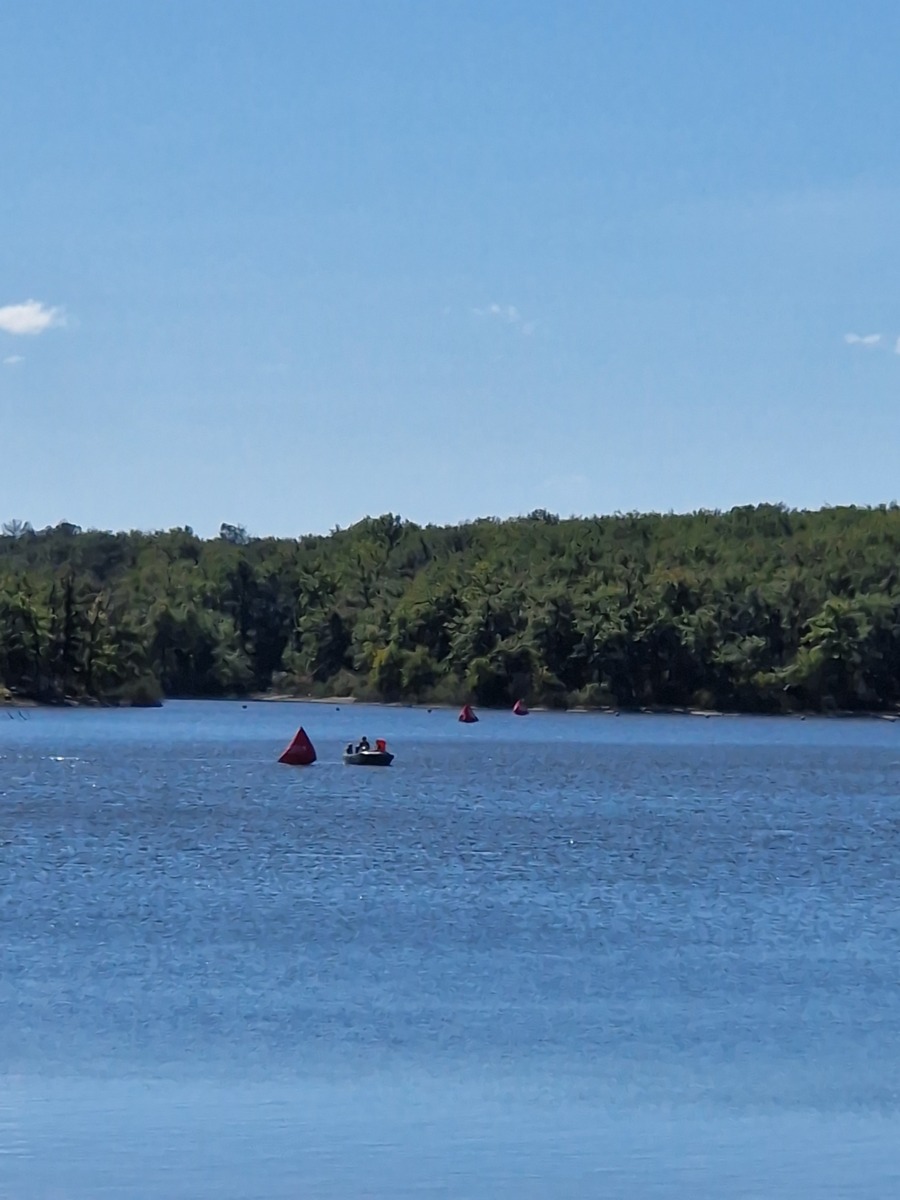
x: 337, y: 701
x: 10, y: 702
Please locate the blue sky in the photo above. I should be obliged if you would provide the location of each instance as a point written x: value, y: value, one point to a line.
x: 290, y: 263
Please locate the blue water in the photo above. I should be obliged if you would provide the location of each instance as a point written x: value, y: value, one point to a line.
x: 562, y: 956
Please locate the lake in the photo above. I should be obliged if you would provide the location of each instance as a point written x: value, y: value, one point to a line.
x: 557, y: 956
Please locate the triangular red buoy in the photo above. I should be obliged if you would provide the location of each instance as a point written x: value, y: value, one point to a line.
x: 466, y: 715
x: 520, y: 708
x: 301, y: 752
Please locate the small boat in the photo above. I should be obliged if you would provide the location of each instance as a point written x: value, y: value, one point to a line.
x: 368, y: 758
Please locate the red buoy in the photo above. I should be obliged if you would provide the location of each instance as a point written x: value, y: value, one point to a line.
x: 520, y: 708
x: 301, y: 752
x: 466, y: 715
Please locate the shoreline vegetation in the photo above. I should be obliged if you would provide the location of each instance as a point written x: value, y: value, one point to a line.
x: 761, y: 609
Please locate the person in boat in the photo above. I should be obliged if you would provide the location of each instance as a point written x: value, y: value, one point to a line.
x: 363, y: 745
x: 349, y: 749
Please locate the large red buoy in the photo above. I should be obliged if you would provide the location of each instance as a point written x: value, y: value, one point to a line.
x: 301, y: 752
x: 466, y: 715
x: 520, y: 708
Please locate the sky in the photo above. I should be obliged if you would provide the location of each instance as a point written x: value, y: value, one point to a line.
x: 284, y: 265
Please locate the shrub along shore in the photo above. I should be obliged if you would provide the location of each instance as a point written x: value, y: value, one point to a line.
x: 759, y: 609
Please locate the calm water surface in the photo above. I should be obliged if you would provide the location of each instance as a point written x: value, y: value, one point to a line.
x: 567, y: 956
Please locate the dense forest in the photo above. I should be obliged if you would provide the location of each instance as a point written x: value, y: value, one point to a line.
x: 756, y: 609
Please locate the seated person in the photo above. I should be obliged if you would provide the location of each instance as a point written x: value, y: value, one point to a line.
x: 363, y: 744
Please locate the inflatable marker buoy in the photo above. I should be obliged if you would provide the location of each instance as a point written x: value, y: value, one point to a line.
x: 520, y: 708
x: 301, y: 752
x: 466, y: 715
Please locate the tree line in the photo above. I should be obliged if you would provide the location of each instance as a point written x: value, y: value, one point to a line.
x: 758, y: 609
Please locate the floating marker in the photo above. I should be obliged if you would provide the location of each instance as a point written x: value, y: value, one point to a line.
x: 301, y: 752
x: 520, y: 708
x: 466, y: 715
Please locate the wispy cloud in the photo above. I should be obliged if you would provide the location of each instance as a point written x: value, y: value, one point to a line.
x: 506, y: 314
x: 862, y: 339
x: 30, y: 317
x: 503, y: 312
x: 13, y: 360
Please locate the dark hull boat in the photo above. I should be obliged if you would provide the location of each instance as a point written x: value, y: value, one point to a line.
x: 368, y: 758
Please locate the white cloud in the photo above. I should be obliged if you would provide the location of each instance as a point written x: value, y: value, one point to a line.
x: 30, y: 317
x: 862, y: 339
x: 13, y: 360
x: 504, y: 312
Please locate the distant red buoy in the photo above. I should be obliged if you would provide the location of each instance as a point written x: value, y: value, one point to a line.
x: 301, y: 752
x: 466, y: 715
x: 520, y: 708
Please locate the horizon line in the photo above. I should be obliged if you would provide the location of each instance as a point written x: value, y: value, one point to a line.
x: 16, y: 528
